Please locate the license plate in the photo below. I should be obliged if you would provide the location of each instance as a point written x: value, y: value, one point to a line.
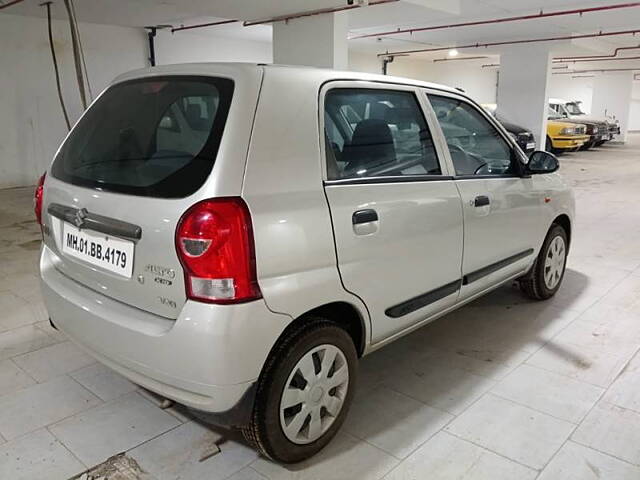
x: 110, y: 253
x: 531, y: 145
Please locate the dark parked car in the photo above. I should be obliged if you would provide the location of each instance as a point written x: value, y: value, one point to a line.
x: 522, y: 136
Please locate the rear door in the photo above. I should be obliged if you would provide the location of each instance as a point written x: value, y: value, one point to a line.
x: 395, y: 209
x: 502, y: 210
x: 122, y: 179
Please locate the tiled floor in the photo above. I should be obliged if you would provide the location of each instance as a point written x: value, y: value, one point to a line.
x: 504, y: 388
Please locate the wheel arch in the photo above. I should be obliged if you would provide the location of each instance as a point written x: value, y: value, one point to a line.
x: 342, y: 313
x: 564, y: 221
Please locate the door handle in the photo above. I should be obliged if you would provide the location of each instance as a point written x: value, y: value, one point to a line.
x: 481, y: 201
x: 364, y: 216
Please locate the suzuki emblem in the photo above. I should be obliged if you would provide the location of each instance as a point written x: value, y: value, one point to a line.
x: 79, y: 218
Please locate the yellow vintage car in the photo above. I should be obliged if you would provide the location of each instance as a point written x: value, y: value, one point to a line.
x: 564, y: 136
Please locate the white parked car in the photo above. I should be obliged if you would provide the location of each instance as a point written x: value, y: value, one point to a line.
x: 233, y: 236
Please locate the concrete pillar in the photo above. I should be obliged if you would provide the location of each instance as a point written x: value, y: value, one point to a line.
x: 612, y: 96
x: 522, y: 88
x: 318, y: 41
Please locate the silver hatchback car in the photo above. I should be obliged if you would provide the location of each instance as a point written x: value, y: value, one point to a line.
x: 233, y: 236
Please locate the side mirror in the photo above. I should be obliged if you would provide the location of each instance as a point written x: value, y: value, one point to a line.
x: 542, y: 162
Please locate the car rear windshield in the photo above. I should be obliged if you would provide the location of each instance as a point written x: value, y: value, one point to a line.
x: 154, y: 137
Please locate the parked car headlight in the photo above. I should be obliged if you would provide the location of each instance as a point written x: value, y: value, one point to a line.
x: 568, y: 131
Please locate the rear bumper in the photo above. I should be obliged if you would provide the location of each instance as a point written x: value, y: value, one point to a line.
x: 207, y: 359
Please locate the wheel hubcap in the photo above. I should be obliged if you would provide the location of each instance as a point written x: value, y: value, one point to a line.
x: 554, y: 263
x: 314, y: 394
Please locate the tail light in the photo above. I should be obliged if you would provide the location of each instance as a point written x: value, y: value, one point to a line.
x: 215, y: 245
x: 37, y: 199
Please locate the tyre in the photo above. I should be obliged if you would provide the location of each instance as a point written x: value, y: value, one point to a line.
x: 545, y: 277
x: 587, y: 146
x: 304, y: 392
x: 548, y: 146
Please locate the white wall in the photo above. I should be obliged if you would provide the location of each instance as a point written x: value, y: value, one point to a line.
x: 612, y: 93
x: 523, y: 90
x: 567, y: 88
x: 31, y: 121
x: 479, y: 83
x: 190, y: 46
x: 363, y: 62
x: 319, y: 41
x: 634, y: 115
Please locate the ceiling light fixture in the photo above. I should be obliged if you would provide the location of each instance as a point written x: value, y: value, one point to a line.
x: 453, y: 52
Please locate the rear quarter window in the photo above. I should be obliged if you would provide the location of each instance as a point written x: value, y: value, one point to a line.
x: 154, y: 137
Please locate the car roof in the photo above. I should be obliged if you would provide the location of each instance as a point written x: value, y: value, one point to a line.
x: 321, y: 75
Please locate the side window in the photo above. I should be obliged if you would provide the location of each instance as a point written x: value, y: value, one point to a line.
x: 475, y: 145
x: 562, y: 110
x: 372, y: 133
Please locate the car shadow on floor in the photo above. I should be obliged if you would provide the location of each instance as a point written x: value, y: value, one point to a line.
x: 409, y: 390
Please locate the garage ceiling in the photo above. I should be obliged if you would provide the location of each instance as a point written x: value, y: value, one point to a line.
x: 398, y: 15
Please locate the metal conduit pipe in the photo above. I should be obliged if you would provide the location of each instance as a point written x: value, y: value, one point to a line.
x: 617, y: 59
x: 202, y: 25
x: 576, y: 61
x: 284, y: 18
x: 513, y: 42
x: 151, y: 40
x: 76, y: 54
x: 13, y: 2
x: 599, y: 70
x: 458, y: 59
x: 534, y: 16
x: 52, y: 47
x: 584, y: 57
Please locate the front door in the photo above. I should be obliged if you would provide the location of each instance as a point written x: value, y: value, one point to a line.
x: 501, y: 209
x: 395, y: 208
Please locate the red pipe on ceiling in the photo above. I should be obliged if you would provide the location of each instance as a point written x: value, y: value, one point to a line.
x: 281, y: 18
x: 316, y: 12
x: 513, y: 42
x: 617, y: 59
x: 534, y: 16
x: 13, y: 2
x: 583, y: 57
x: 200, y: 25
x: 598, y: 70
x: 458, y: 59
